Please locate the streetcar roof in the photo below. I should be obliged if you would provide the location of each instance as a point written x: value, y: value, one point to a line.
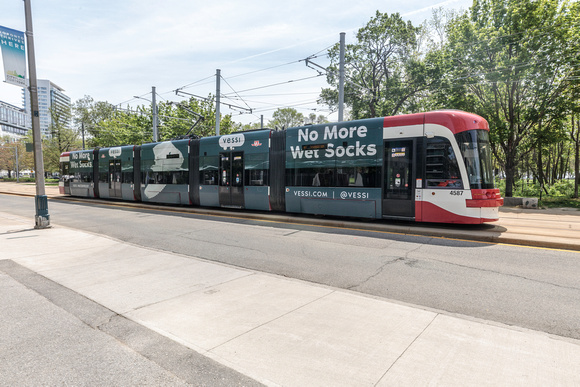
x: 456, y: 121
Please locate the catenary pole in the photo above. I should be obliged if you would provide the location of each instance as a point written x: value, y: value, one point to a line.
x: 41, y: 202
x: 341, y: 80
x: 217, y: 101
x: 154, y: 110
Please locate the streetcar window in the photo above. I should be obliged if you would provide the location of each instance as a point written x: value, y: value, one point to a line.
x: 441, y: 167
x: 477, y: 155
x: 257, y: 177
x: 364, y: 176
x: 257, y: 166
x: 83, y: 177
x: 103, y: 177
x: 127, y: 177
x: 64, y: 171
x: 166, y: 177
x: 208, y: 170
x: 127, y: 174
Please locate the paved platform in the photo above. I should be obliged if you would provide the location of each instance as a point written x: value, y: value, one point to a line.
x: 273, y: 330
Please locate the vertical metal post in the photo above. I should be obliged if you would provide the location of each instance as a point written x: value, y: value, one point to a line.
x: 17, y: 167
x: 341, y: 80
x: 154, y: 110
x: 217, y: 101
x: 261, y: 121
x: 41, y: 201
x: 83, y: 133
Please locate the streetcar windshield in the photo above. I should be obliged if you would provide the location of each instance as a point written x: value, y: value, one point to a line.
x: 476, y: 151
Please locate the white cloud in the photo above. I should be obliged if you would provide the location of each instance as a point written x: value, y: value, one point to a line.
x: 113, y: 50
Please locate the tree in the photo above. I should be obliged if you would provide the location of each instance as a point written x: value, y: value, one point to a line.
x: 177, y: 119
x: 286, y: 118
x: 89, y: 115
x: 8, y: 155
x: 107, y: 125
x: 383, y: 70
x: 62, y: 139
x: 314, y: 119
x: 575, y: 136
x: 122, y: 127
x: 510, y: 61
x: 251, y: 126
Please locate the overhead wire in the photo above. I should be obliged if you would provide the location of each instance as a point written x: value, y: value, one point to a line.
x: 544, y: 31
x: 278, y: 84
x: 227, y: 83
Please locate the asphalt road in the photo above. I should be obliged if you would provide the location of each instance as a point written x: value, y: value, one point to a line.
x: 527, y: 287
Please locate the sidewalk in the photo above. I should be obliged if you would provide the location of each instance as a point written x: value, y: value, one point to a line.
x: 550, y: 228
x: 280, y: 331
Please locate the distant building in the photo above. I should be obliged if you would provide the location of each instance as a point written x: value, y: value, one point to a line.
x: 12, y: 121
x: 50, y: 96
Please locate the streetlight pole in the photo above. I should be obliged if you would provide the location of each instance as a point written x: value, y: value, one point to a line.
x: 42, y: 219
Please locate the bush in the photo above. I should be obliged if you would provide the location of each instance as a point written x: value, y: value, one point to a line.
x: 524, y: 188
x: 22, y: 179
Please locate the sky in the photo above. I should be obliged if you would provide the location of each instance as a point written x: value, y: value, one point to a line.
x: 117, y: 50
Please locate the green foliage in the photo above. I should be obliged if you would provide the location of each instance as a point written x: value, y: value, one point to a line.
x: 8, y: 154
x: 177, y: 119
x: 108, y: 126
x: 510, y: 61
x: 525, y: 188
x: 286, y: 118
x: 122, y: 128
x: 383, y: 70
x: 559, y: 202
x: 21, y: 180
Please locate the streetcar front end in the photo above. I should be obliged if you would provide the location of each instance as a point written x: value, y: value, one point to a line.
x: 458, y: 184
x: 477, y: 156
x: 64, y: 180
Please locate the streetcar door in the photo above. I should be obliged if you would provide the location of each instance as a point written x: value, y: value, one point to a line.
x: 65, y: 177
x: 115, y: 179
x: 398, y: 179
x: 231, y: 187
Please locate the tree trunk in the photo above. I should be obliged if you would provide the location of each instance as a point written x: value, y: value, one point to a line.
x: 510, y: 171
x: 540, y: 165
x: 576, y: 139
x: 577, y: 168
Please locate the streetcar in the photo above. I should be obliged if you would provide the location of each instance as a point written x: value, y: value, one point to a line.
x: 424, y: 167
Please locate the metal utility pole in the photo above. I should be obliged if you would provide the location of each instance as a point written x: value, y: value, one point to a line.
x: 41, y: 201
x: 154, y: 110
x: 83, y: 133
x: 217, y: 102
x: 341, y: 80
x: 17, y: 166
